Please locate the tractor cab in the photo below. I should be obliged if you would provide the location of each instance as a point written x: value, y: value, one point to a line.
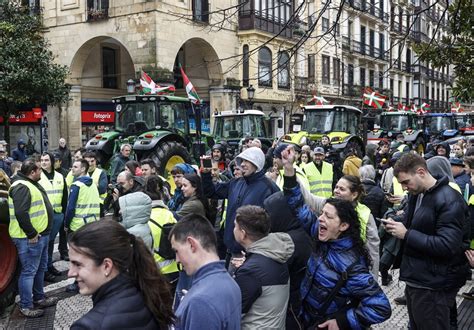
x: 442, y: 125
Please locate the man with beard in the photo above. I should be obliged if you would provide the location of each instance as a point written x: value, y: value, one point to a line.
x: 320, y: 174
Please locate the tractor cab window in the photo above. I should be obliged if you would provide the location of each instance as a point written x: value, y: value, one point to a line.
x: 228, y: 127
x: 318, y: 121
x: 394, y: 123
x: 346, y: 121
x: 438, y: 124
x: 135, y: 117
x: 173, y: 115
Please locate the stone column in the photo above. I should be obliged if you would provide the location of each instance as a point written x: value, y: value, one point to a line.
x: 71, y: 119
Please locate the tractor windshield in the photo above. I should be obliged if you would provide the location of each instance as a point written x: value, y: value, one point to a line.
x: 396, y: 123
x: 321, y: 121
x: 439, y: 124
x: 135, y: 117
x: 173, y: 115
x: 239, y: 126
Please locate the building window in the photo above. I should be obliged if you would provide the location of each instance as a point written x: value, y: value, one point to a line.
x: 337, y: 29
x: 109, y: 68
x: 407, y: 87
x: 264, y: 67
x: 283, y: 70
x: 382, y: 44
x: 326, y: 69
x: 33, y: 5
x: 371, y: 78
x: 201, y: 10
x: 325, y: 24
x: 336, y: 70
x: 362, y: 76
x: 350, y: 74
x: 380, y: 79
x: 311, y: 68
x: 245, y: 65
x: 97, y: 9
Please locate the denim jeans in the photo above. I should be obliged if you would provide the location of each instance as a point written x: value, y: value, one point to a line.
x: 34, y: 262
x: 58, y: 220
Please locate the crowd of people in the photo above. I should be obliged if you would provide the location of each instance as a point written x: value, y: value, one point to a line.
x: 293, y: 237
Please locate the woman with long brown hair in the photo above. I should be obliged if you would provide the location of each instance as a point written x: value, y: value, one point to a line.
x: 118, y: 270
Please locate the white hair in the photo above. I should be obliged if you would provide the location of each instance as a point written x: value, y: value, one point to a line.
x: 367, y: 172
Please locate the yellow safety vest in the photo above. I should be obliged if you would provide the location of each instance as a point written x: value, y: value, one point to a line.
x: 363, y: 213
x: 299, y: 173
x: 455, y: 186
x: 397, y: 189
x: 402, y: 147
x: 38, y: 213
x: 54, y: 189
x: 95, y: 178
x: 69, y: 179
x: 87, y: 206
x: 471, y: 202
x: 320, y: 183
x: 161, y: 216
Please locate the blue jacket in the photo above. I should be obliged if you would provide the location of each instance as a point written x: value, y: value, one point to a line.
x: 463, y: 179
x: 213, y: 302
x: 72, y: 200
x: 251, y: 190
x: 368, y: 304
x: 19, y: 153
x: 117, y: 305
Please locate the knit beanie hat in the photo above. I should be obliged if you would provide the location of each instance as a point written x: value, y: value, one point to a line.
x: 254, y: 155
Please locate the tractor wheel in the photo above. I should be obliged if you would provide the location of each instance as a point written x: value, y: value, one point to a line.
x: 420, y: 146
x: 166, y: 155
x: 10, y: 269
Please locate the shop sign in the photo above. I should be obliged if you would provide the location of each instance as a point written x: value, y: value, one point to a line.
x: 98, y: 117
x: 22, y: 117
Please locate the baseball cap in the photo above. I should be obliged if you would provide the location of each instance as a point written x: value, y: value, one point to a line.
x: 456, y: 161
x: 319, y: 150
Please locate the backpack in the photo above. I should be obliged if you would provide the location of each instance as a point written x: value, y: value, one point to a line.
x: 164, y: 250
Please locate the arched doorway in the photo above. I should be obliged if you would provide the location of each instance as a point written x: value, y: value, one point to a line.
x: 99, y: 71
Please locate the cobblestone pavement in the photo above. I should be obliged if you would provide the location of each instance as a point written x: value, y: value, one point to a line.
x: 72, y: 307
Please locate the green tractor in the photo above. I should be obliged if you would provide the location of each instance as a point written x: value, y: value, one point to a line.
x: 232, y: 126
x: 342, y: 123
x: 157, y: 126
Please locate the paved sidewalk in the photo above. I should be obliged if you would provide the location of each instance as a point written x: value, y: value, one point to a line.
x: 72, y: 307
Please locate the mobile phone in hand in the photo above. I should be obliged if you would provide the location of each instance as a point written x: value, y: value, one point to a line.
x: 206, y: 162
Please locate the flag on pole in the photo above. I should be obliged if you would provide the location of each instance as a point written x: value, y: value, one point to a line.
x: 456, y: 107
x: 402, y: 107
x: 424, y: 108
x: 190, y: 90
x: 319, y: 100
x: 391, y: 108
x: 373, y: 99
x: 150, y: 87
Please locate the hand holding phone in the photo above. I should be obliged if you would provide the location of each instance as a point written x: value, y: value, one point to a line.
x: 206, y: 162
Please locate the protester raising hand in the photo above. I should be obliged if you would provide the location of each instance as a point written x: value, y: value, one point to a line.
x: 288, y: 157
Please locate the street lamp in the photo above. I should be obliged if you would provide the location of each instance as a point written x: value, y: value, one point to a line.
x: 131, y: 86
x: 250, y: 95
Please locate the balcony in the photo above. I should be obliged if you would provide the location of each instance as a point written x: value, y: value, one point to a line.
x: 259, y: 19
x: 97, y: 10
x: 419, y: 36
x: 301, y: 85
x: 351, y: 90
x: 369, y: 10
x: 368, y: 50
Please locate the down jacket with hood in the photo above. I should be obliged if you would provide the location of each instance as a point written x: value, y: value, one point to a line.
x: 247, y: 190
x: 360, y: 302
x: 136, y: 211
x: 264, y: 282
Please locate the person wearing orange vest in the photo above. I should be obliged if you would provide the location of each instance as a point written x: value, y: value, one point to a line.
x: 31, y: 219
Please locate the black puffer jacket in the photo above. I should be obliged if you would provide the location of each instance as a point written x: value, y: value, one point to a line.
x: 433, y: 253
x: 374, y: 198
x: 117, y: 305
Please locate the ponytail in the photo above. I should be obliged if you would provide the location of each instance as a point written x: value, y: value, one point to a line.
x: 152, y: 284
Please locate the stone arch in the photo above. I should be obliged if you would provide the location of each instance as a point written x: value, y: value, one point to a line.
x: 88, y: 59
x: 201, y: 64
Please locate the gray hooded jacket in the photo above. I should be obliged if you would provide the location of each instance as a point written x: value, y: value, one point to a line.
x: 264, y: 282
x: 136, y: 210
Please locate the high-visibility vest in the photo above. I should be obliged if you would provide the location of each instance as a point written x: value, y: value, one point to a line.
x: 38, y: 213
x: 397, y: 189
x: 299, y: 174
x: 455, y: 186
x: 402, y: 147
x: 87, y: 206
x: 69, y: 180
x: 95, y: 178
x: 471, y: 202
x: 363, y: 213
x: 320, y: 183
x: 161, y: 216
x: 54, y: 189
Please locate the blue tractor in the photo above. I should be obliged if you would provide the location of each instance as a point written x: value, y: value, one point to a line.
x: 440, y: 125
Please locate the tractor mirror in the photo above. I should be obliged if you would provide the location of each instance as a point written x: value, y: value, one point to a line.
x: 280, y: 123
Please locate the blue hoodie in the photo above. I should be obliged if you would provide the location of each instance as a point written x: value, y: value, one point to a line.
x: 19, y: 153
x: 72, y: 201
